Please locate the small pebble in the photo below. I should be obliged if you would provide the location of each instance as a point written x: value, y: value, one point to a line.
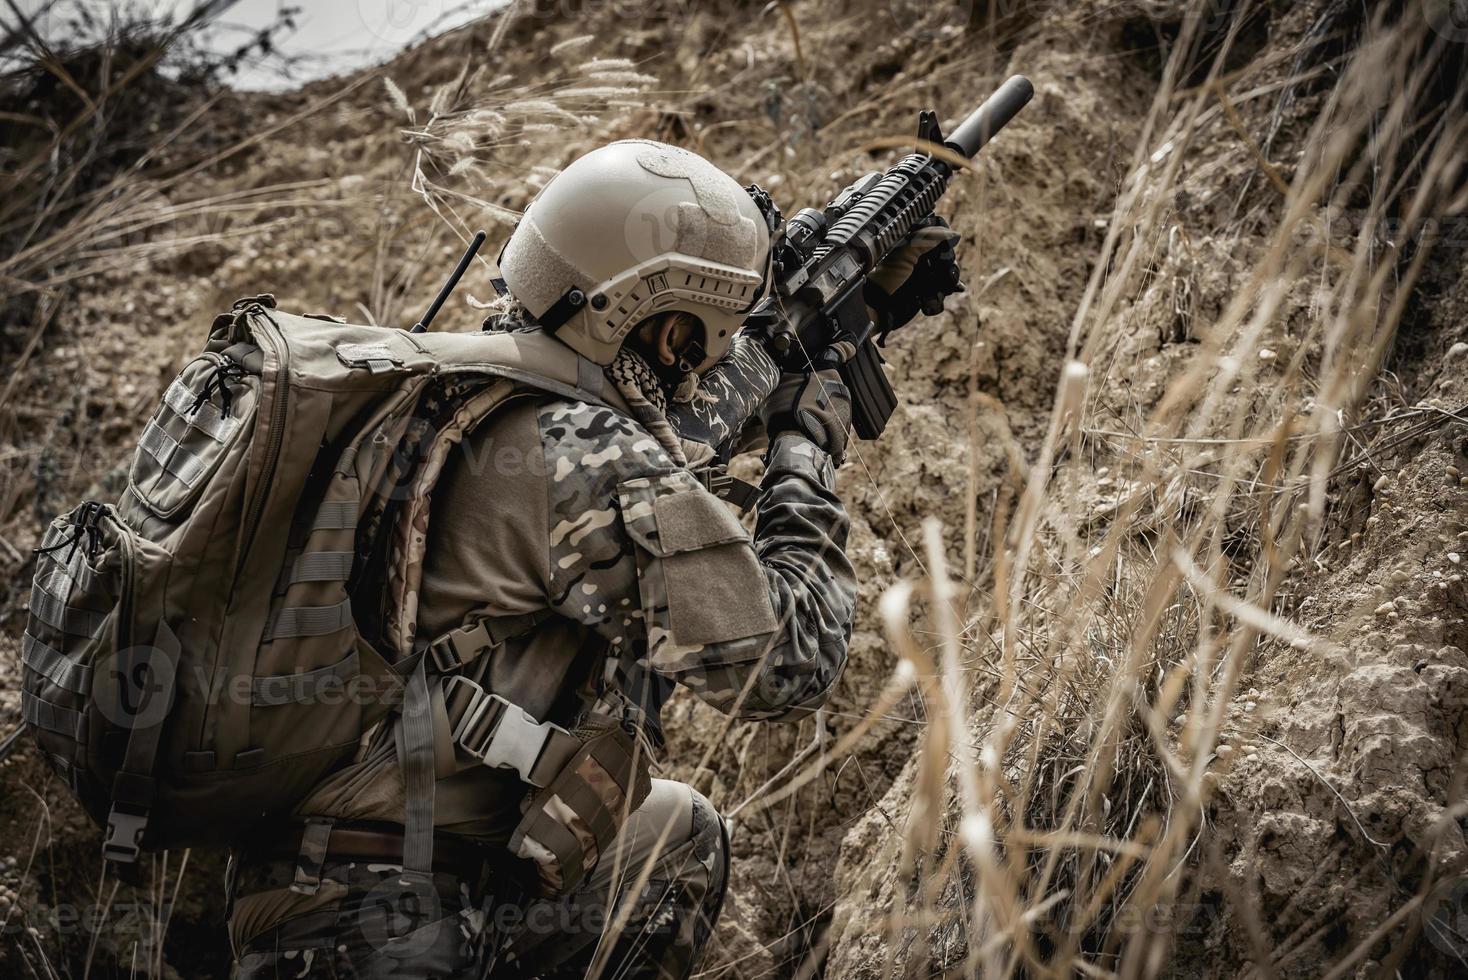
x: 1455, y: 558
x: 1385, y: 608
x: 1265, y: 354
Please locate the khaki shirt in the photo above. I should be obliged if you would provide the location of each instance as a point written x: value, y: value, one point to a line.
x: 573, y: 508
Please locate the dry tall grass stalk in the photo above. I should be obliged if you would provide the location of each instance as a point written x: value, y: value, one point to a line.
x: 470, y: 122
x: 1118, y: 645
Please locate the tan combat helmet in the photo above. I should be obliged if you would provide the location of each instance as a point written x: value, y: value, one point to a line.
x: 632, y: 229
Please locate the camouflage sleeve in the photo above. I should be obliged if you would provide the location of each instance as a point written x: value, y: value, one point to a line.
x: 728, y: 397
x: 643, y: 554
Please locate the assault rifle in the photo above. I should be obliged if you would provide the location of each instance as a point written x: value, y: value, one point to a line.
x: 822, y: 257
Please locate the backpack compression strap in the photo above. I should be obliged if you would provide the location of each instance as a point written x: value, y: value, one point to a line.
x: 134, y: 788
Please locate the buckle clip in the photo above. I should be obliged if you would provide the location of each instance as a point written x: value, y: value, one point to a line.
x: 446, y: 653
x: 515, y: 740
x: 124, y: 837
x: 716, y: 479
x: 443, y: 656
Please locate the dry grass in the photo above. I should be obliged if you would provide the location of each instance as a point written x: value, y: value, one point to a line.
x: 1107, y: 653
x: 85, y: 202
x: 1072, y: 678
x: 473, y: 122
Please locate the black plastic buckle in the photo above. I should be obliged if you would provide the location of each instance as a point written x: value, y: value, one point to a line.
x: 717, y: 481
x: 124, y: 840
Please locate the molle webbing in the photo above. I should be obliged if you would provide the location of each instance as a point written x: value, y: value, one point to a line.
x: 304, y: 687
x: 53, y: 718
x: 55, y: 666
x: 336, y: 515
x: 322, y: 566
x: 60, y: 615
x: 309, y: 620
x: 201, y: 415
x: 175, y: 459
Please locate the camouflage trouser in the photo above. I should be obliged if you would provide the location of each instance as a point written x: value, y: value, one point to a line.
x: 364, y: 922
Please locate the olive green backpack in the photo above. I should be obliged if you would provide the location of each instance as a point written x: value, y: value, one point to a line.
x: 199, y: 654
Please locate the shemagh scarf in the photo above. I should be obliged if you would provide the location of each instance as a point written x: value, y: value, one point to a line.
x: 645, y: 395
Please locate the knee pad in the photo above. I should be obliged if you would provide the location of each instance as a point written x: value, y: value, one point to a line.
x: 711, y: 847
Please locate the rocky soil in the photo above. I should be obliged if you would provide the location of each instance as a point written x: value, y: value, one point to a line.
x: 1333, y: 822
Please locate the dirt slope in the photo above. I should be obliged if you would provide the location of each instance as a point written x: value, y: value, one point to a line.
x: 1321, y: 753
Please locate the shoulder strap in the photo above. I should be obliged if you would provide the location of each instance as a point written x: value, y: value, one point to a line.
x: 532, y: 358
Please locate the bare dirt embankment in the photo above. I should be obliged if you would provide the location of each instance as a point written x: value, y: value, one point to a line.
x: 1310, y: 812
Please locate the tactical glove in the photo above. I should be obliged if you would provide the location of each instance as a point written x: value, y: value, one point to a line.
x: 816, y: 405
x: 915, y: 277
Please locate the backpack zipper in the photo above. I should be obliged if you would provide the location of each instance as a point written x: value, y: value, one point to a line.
x: 275, y: 437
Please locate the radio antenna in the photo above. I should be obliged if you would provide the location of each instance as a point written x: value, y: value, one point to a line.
x: 453, y: 280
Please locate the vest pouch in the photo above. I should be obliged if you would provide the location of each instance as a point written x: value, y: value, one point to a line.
x: 199, y: 420
x: 574, y: 819
x: 87, y: 680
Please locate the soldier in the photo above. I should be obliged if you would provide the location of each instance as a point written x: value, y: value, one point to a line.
x: 576, y: 568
